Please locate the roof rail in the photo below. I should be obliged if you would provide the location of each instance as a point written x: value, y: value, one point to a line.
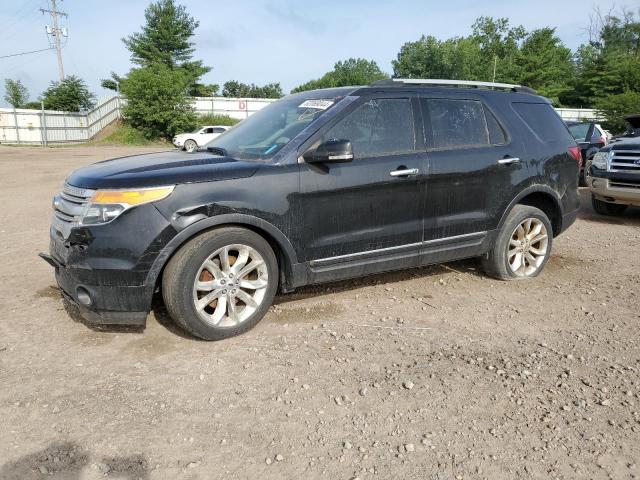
x: 453, y: 83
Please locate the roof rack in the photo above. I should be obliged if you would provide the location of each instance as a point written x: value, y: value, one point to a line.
x: 453, y: 83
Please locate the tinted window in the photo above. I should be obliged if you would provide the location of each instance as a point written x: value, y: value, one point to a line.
x: 377, y: 127
x: 208, y: 130
x: 543, y: 121
x: 496, y: 133
x: 579, y: 131
x: 218, y: 130
x: 457, y: 123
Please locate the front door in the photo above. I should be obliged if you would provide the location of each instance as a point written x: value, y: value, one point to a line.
x: 368, y: 210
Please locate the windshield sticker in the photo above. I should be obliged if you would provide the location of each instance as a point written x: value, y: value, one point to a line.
x: 317, y: 104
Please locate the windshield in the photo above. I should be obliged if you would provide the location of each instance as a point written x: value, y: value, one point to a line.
x: 264, y: 133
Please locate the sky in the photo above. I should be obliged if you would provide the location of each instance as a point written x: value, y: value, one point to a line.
x: 255, y: 41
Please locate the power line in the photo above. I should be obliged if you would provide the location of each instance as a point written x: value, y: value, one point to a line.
x: 26, y: 53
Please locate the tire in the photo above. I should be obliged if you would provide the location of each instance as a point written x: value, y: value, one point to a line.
x: 606, y: 208
x: 190, y: 146
x: 500, y: 261
x: 584, y: 173
x: 227, y: 314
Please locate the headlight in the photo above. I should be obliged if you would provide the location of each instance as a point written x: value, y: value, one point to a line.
x: 107, y: 205
x: 600, y: 160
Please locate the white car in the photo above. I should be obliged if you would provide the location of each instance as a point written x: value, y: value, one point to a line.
x: 198, y: 139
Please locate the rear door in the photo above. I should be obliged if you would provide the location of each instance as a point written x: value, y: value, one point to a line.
x: 473, y: 167
x: 364, y: 210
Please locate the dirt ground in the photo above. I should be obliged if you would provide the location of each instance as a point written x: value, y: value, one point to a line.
x: 435, y: 373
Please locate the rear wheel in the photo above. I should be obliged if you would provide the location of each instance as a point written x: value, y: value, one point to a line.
x: 606, y: 208
x: 221, y: 283
x: 190, y: 146
x: 522, y: 246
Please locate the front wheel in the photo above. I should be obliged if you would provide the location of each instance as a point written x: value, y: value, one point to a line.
x: 221, y: 283
x: 190, y: 146
x: 522, y: 246
x: 606, y: 208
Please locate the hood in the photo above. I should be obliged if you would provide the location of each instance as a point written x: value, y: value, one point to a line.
x: 162, y: 168
x: 623, y: 143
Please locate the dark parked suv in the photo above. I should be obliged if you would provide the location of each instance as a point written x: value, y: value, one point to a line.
x: 319, y: 186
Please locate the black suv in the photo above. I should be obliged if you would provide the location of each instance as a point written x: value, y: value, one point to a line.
x: 319, y: 186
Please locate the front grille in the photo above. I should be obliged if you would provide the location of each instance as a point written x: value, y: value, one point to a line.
x: 625, y: 161
x: 69, y: 205
x: 616, y: 184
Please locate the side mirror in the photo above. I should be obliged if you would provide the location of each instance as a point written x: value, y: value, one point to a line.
x: 331, y: 151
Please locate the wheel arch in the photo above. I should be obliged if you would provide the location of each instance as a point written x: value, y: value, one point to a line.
x: 542, y: 197
x: 278, y: 241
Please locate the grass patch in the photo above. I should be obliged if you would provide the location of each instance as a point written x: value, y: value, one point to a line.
x: 210, y: 119
x: 123, y: 134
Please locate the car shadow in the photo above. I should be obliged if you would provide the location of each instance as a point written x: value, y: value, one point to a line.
x: 65, y: 459
x: 74, y: 313
x: 631, y: 216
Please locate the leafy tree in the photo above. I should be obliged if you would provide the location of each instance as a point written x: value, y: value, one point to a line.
x: 354, y: 71
x: 236, y: 89
x: 158, y: 90
x: 32, y: 105
x: 16, y: 94
x: 112, y: 83
x: 69, y: 95
x: 158, y: 103
x: 615, y: 107
x: 166, y: 38
x: 545, y: 64
x: 455, y: 58
x: 202, y: 90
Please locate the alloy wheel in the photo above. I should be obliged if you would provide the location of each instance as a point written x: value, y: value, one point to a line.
x: 230, y: 285
x: 527, y: 248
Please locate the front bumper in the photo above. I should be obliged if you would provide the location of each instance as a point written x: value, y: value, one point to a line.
x: 615, y: 187
x: 177, y: 142
x: 106, y: 305
x: 103, y: 269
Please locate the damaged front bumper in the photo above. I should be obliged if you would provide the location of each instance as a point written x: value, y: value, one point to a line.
x: 103, y: 269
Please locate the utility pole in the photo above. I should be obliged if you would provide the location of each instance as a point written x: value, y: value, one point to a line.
x: 56, y: 32
x: 495, y: 64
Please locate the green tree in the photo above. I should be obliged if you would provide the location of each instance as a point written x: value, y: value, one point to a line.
x: 69, y: 95
x: 351, y: 72
x: 545, y: 64
x: 166, y: 38
x: 455, y: 58
x: 16, y: 94
x: 204, y: 90
x: 615, y: 107
x: 158, y: 90
x: 112, y: 83
x: 158, y: 103
x: 236, y: 89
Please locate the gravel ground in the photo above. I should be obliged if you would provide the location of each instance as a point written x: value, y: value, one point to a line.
x: 433, y: 373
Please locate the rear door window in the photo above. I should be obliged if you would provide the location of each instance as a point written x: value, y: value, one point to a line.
x: 381, y: 126
x: 454, y: 123
x: 542, y: 120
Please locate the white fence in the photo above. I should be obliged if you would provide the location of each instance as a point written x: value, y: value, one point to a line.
x: 239, y: 108
x: 47, y: 126
x: 578, y: 114
x: 50, y: 126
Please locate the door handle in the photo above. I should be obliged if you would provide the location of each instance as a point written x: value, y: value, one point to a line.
x: 508, y: 161
x: 405, y: 172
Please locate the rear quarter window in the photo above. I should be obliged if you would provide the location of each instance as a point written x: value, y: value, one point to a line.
x: 542, y: 120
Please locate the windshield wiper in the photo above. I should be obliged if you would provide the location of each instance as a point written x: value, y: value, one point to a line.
x: 218, y: 151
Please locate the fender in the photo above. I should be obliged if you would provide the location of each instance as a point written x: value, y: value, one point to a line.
x: 207, y: 223
x: 527, y: 191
